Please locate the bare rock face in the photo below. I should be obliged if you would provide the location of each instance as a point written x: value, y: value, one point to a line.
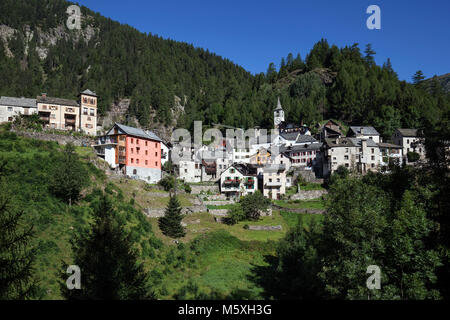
x: 6, y: 33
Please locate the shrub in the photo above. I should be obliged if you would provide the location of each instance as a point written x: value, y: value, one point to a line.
x: 413, y: 156
x: 168, y: 183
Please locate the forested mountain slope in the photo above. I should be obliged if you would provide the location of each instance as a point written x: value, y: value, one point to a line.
x: 40, y: 54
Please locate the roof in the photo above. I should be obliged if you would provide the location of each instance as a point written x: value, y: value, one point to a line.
x: 291, y: 136
x: 59, y: 101
x: 300, y: 148
x: 366, y: 131
x: 89, y: 92
x: 18, y: 102
x: 305, y: 139
x: 278, y: 105
x: 245, y: 169
x: 408, y: 132
x: 349, y: 142
x: 136, y: 132
x: 389, y: 145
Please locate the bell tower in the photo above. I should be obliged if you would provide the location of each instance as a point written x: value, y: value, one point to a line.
x: 278, y: 115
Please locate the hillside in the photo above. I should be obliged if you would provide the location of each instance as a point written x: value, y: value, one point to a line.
x: 158, y: 83
x: 443, y: 80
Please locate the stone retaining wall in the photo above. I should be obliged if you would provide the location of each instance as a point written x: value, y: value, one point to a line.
x: 197, y: 189
x: 267, y: 228
x: 218, y: 212
x: 308, y: 194
x: 218, y: 203
x: 156, y: 213
x: 59, y: 138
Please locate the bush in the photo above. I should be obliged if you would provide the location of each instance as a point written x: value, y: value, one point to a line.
x: 413, y: 156
x: 187, y: 188
x: 235, y: 215
x: 253, y: 204
x: 168, y: 183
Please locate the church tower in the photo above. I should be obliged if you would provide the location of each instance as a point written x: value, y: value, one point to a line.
x: 278, y: 115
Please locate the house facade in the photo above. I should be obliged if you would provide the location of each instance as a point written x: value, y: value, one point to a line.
x: 65, y: 114
x: 361, y: 155
x: 364, y: 133
x: 238, y: 180
x: 274, y: 181
x: 410, y: 141
x: 11, y: 106
x: 134, y: 152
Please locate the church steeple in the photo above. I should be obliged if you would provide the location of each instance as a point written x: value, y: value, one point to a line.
x: 278, y: 115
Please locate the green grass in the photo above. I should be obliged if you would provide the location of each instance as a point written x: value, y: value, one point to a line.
x: 292, y: 218
x: 311, y: 186
x: 300, y: 204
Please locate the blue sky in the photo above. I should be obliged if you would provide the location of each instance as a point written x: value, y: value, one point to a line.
x: 253, y: 33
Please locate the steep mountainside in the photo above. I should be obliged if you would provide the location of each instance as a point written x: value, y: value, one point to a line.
x: 157, y: 83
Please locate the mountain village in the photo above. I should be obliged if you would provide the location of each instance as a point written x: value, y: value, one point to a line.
x: 269, y: 163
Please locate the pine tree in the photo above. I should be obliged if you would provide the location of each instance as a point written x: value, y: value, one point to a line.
x: 107, y: 261
x: 369, y: 55
x: 170, y: 223
x: 16, y: 256
x: 418, y: 77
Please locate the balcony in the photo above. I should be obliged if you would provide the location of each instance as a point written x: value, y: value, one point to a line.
x: 232, y: 183
x: 273, y: 183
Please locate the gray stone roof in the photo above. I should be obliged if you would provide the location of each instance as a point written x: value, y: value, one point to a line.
x: 18, y: 102
x: 408, y: 132
x: 59, y: 101
x: 89, y: 92
x: 389, y: 145
x: 305, y: 139
x: 366, y: 131
x: 291, y: 136
x: 348, y: 142
x: 300, y: 148
x: 137, y: 132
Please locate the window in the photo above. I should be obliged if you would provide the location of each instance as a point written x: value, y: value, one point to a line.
x: 373, y: 150
x: 156, y: 163
x: 10, y: 109
x: 53, y: 116
x: 85, y: 111
x: 156, y: 144
x: 137, y: 141
x: 373, y: 158
x: 407, y: 141
x: 131, y: 150
x: 373, y: 165
x: 346, y: 165
x: 156, y: 154
x: 137, y: 161
x: 145, y: 143
x: 185, y: 170
x: 134, y: 171
x: 146, y: 152
x: 132, y: 140
x: 345, y: 157
x: 92, y: 112
x: 146, y: 162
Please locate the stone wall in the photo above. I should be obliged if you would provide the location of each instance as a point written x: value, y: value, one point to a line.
x: 59, y: 138
x: 197, y: 189
x: 218, y: 212
x: 308, y: 194
x: 218, y: 203
x: 266, y: 228
x: 156, y: 213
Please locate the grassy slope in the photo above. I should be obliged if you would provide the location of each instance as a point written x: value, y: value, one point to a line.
x: 221, y: 261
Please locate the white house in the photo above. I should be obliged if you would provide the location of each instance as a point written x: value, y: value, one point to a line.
x: 10, y: 107
x: 238, y: 180
x: 410, y: 141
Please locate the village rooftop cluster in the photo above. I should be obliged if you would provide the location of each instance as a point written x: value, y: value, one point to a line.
x: 266, y: 162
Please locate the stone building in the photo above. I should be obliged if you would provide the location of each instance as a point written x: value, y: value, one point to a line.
x: 11, y: 106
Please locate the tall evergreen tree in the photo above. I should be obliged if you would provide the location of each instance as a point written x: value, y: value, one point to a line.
x: 16, y: 255
x: 369, y: 55
x: 418, y: 77
x: 108, y: 263
x: 170, y: 223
